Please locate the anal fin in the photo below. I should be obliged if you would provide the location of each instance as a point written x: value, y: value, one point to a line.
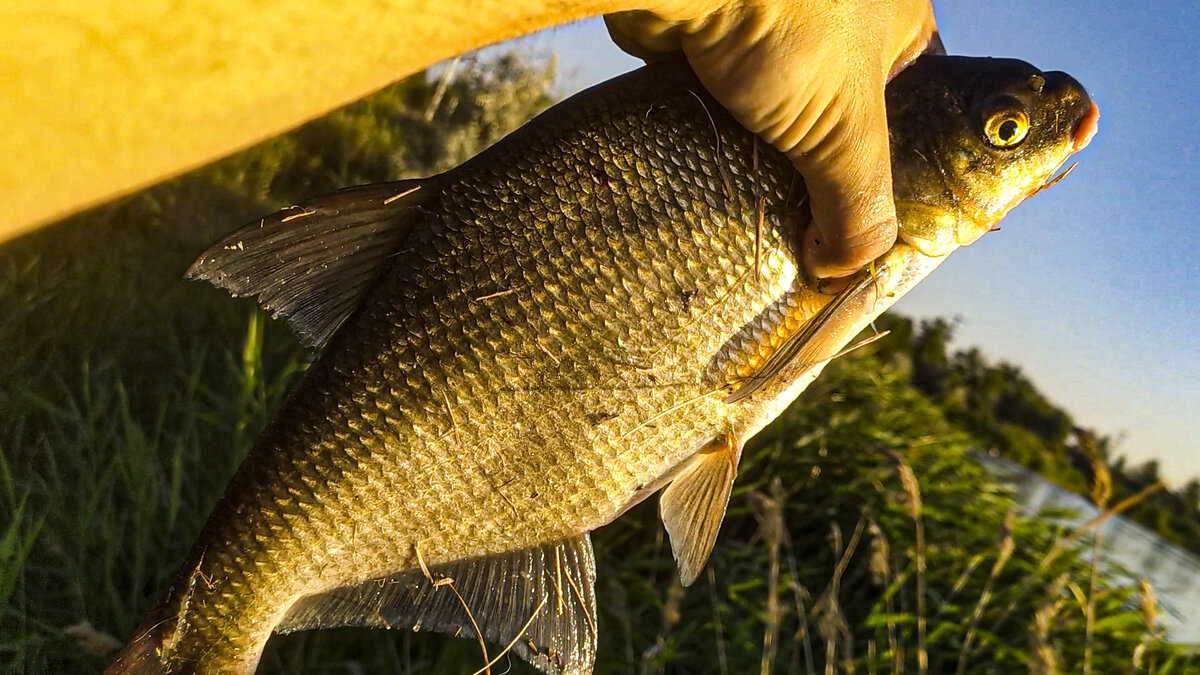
x: 541, y: 600
x: 693, y: 505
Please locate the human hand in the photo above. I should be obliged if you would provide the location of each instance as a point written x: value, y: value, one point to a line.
x: 808, y: 76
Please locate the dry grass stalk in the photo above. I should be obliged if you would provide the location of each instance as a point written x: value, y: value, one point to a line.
x: 618, y: 601
x: 881, y: 576
x: 1139, y: 652
x: 1149, y: 607
x: 799, y: 592
x: 1100, y: 519
x: 435, y: 101
x: 718, y: 626
x: 1101, y: 479
x: 879, y: 566
x: 802, y: 598
x: 487, y: 668
x: 1101, y: 491
x: 447, y: 582
x: 768, y: 511
x: 670, y: 618
x: 961, y: 582
x: 1089, y: 608
x: 831, y: 624
x: 912, y: 492
x: 908, y: 481
x: 670, y: 613
x: 1006, y: 548
x: 1044, y: 659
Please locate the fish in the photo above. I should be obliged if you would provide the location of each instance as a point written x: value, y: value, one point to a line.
x: 602, y: 306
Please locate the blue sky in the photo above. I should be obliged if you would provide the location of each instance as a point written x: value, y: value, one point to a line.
x: 1093, y: 287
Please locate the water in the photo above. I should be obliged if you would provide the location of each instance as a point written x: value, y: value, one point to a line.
x: 1126, y: 549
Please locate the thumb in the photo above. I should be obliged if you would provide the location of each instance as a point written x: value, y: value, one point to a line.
x: 848, y: 174
x: 642, y: 34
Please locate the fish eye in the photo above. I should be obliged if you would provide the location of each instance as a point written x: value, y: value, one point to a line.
x: 1006, y: 129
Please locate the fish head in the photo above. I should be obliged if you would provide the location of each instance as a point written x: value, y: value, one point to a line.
x: 972, y: 138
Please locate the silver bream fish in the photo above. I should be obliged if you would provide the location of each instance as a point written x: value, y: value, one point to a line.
x: 604, y: 305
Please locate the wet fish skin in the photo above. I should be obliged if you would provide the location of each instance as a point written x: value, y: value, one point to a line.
x: 516, y: 351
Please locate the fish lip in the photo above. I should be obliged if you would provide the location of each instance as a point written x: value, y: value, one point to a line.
x: 1064, y: 90
x: 1085, y: 128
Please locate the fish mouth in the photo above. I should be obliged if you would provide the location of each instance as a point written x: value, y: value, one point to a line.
x: 1085, y: 128
x: 1086, y: 113
x: 1067, y: 93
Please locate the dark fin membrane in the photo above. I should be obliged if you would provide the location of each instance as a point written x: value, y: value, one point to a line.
x: 822, y: 337
x: 313, y: 263
x: 693, y: 505
x: 540, y: 600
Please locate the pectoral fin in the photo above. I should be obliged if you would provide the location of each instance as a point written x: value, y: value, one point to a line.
x: 822, y: 336
x: 540, y: 600
x: 313, y: 263
x: 693, y: 505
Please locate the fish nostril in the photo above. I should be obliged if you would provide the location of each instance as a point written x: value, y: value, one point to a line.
x: 1067, y: 91
x: 1062, y: 84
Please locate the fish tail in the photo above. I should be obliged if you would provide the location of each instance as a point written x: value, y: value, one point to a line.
x: 158, y: 647
x: 143, y: 655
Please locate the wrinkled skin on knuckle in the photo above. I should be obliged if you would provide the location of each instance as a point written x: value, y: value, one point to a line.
x: 837, y: 247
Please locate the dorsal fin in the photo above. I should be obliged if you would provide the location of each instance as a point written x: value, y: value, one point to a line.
x: 540, y: 599
x: 313, y: 263
x: 693, y: 505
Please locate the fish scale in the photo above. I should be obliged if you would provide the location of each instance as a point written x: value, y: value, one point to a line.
x: 609, y: 300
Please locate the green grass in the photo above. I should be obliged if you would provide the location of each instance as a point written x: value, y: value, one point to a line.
x: 128, y: 397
